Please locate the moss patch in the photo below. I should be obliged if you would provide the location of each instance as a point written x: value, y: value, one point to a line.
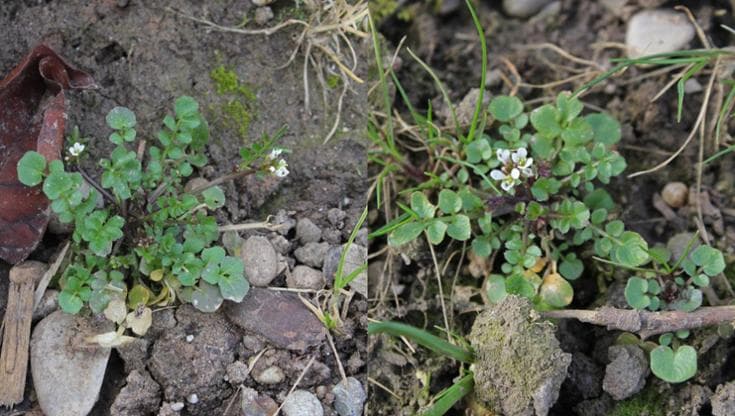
x: 237, y: 108
x: 646, y: 403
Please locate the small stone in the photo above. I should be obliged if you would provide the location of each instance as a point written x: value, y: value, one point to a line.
x: 657, y: 31
x: 263, y: 15
x: 523, y: 8
x: 189, y: 338
x: 63, y: 366
x: 140, y: 396
x: 281, y: 244
x: 195, y: 183
x: 675, y: 194
x: 304, y: 277
x: 254, y: 404
x: 349, y: 397
x: 260, y: 259
x: 723, y: 401
x: 336, y: 217
x: 307, y: 231
x: 284, y: 220
x: 311, y: 254
x: 279, y: 317
x: 237, y: 372
x: 49, y: 303
x: 271, y: 375
x: 302, y: 403
x: 177, y: 406
x: 466, y: 108
x: 626, y: 374
x: 261, y: 3
x: 193, y: 398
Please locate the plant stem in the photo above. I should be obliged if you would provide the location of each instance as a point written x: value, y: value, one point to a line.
x: 646, y: 323
x: 222, y: 179
x: 95, y: 185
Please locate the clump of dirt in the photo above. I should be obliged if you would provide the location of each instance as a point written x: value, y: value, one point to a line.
x: 519, y: 366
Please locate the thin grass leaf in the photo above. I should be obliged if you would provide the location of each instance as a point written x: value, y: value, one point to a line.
x: 483, y: 72
x: 423, y: 338
x: 387, y: 228
x: 448, y: 397
x: 340, y: 281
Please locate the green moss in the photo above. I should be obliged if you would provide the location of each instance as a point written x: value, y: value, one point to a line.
x: 238, y: 107
x: 646, y: 403
x: 380, y: 9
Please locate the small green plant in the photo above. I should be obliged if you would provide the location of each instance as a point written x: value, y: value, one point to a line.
x: 140, y: 239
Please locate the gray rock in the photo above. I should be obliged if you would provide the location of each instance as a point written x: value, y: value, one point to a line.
x: 270, y: 375
x: 524, y: 8
x: 281, y: 244
x: 49, y: 303
x: 678, y: 244
x: 263, y: 15
x: 286, y: 222
x: 349, y: 397
x: 279, y: 317
x: 237, y: 372
x: 307, y: 231
x: 134, y: 354
x: 466, y: 108
x: 519, y: 367
x: 196, y: 366
x: 312, y: 254
x: 304, y: 277
x: 657, y: 31
x: 356, y: 256
x: 336, y: 217
x: 302, y: 403
x: 254, y: 404
x: 723, y: 401
x: 260, y: 259
x: 261, y: 3
x: 64, y: 366
x: 626, y: 374
x: 140, y: 396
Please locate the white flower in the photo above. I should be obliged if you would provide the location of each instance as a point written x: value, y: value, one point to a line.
x: 76, y: 149
x: 275, y: 152
x: 522, y: 162
x: 508, y: 180
x: 503, y: 156
x: 280, y: 169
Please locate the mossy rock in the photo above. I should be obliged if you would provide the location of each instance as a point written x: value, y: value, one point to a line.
x: 519, y: 365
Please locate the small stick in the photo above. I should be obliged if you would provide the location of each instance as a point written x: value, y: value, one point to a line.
x: 17, y: 331
x: 645, y: 323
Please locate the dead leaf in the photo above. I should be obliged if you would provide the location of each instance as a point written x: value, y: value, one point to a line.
x: 31, y: 118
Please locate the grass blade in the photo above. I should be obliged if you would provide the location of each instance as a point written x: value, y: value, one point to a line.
x: 450, y: 396
x: 421, y: 337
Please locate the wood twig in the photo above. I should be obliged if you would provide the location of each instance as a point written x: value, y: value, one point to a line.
x: 645, y: 323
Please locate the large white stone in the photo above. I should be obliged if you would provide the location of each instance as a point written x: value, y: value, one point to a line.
x: 657, y: 31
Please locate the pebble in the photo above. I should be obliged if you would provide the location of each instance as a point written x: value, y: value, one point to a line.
x: 675, y: 194
x: 140, y: 396
x: 302, y: 403
x: 626, y: 374
x: 263, y: 15
x: 307, y: 231
x: 254, y: 404
x: 304, y: 277
x: 189, y: 338
x: 311, y: 254
x: 237, y: 372
x: 336, y: 217
x: 279, y: 317
x: 177, y: 406
x: 49, y: 303
x: 657, y: 31
x: 62, y: 369
x: 524, y: 8
x: 260, y: 259
x: 349, y: 397
x: 271, y: 375
x: 194, y: 183
x: 261, y: 3
x: 193, y: 398
x: 723, y: 401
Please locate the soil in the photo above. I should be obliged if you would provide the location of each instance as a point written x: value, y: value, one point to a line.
x: 143, y: 54
x: 407, y: 291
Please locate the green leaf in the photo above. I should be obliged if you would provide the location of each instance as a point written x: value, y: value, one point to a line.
x: 691, y: 301
x: 435, y: 231
x: 570, y: 214
x: 460, y: 228
x: 569, y: 106
x: 710, y: 259
x: 516, y: 284
x: 206, y: 297
x: 543, y: 147
x: 598, y: 216
x: 556, y: 291
x: 478, y: 151
x: 137, y: 296
x: 674, y: 367
x: 496, y: 288
x: 482, y: 247
x: 632, y: 250
x: 214, y: 197
x: 505, y: 108
x: 120, y: 118
x: 185, y: 106
x: 571, y: 267
x: 545, y: 120
x: 599, y: 198
x: 615, y: 228
x: 421, y: 205
x: 606, y: 129
x: 405, y: 233
x: 701, y: 280
x: 635, y: 293
x: 577, y: 133
x: 544, y: 187
x: 30, y: 168
x: 449, y: 201
x: 70, y: 302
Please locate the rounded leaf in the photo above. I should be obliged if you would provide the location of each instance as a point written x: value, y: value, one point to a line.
x: 30, y: 168
x: 120, y: 118
x: 556, y: 291
x: 496, y: 288
x: 505, y: 108
x: 674, y: 367
x: 405, y: 233
x: 635, y: 293
x: 449, y: 201
x: 606, y: 129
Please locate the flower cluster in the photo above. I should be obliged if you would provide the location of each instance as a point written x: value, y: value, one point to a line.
x: 278, y: 168
x: 515, y: 165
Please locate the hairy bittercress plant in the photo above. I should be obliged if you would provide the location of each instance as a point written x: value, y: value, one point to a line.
x: 139, y: 238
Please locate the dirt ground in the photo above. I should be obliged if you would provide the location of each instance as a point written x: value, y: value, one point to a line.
x: 448, y: 42
x: 144, y: 55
